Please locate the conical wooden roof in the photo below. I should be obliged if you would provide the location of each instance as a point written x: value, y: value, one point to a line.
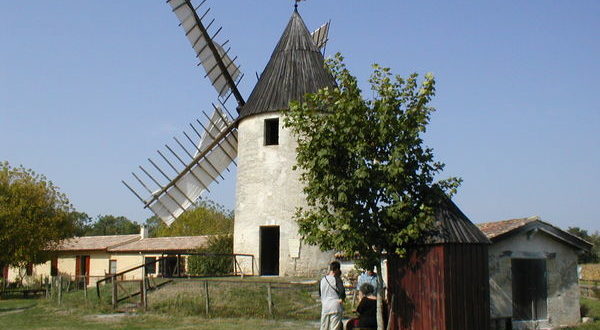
x: 296, y: 68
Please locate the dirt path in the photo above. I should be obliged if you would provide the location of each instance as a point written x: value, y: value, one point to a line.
x: 15, y: 310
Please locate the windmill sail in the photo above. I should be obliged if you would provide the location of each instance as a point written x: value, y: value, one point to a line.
x: 222, y: 71
x: 213, y: 154
x: 321, y: 35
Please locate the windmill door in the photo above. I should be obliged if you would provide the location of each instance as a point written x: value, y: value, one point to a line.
x: 269, y: 250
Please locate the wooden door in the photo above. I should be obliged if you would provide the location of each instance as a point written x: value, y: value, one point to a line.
x: 54, y: 266
x: 82, y: 267
x: 529, y: 289
x: 5, y: 272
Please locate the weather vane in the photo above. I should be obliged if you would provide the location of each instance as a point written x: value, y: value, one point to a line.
x: 296, y: 4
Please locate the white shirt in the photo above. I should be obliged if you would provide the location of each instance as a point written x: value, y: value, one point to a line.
x: 330, y: 300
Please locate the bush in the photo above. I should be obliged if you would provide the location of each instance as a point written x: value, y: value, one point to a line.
x: 211, y: 264
x: 584, y: 310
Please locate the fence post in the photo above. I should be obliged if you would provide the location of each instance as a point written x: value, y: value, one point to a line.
x: 269, y: 299
x: 114, y: 292
x: 143, y: 289
x: 52, y: 280
x: 59, y: 289
x: 233, y: 265
x: 390, y: 312
x: 85, y: 293
x: 206, y: 298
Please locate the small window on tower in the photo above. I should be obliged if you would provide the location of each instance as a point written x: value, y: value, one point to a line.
x: 271, y: 131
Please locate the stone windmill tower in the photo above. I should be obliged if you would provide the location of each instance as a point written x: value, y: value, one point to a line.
x: 268, y: 191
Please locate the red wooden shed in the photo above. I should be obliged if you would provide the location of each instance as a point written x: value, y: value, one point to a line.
x: 443, y: 282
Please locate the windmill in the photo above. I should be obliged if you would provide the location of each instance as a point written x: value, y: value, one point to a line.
x: 267, y: 189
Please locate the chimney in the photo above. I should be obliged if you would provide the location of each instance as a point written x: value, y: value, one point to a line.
x: 143, y: 231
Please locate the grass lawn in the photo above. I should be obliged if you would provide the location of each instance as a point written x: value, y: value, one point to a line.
x: 177, y: 305
x: 39, y: 314
x: 593, y: 311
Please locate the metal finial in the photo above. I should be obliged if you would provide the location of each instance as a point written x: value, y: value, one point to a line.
x: 296, y: 5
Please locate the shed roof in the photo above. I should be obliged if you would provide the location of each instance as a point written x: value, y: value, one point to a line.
x: 160, y: 244
x: 296, y: 68
x: 499, y: 230
x: 452, y: 226
x: 91, y: 243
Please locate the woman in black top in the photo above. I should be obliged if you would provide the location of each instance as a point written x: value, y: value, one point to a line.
x: 366, y: 309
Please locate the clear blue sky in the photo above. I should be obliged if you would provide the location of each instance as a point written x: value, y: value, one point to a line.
x: 90, y: 89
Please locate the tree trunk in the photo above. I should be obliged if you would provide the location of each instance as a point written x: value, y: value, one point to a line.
x: 380, y: 325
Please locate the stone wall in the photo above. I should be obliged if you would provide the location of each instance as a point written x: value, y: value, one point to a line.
x: 267, y: 194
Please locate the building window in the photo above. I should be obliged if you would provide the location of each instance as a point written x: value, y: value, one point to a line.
x: 271, y: 131
x: 150, y: 265
x: 112, y: 267
x: 529, y: 289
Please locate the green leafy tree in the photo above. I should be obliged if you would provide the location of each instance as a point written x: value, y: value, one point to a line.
x: 208, y: 218
x: 153, y: 223
x: 367, y: 176
x: 34, y: 216
x: 593, y: 256
x: 212, y: 263
x: 111, y: 225
x: 81, y: 221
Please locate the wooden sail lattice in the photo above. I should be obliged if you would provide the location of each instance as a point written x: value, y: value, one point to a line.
x: 183, y: 173
x: 220, y: 68
x: 175, y: 182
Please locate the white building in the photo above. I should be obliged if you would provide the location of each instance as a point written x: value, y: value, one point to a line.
x: 268, y: 190
x: 533, y: 274
x: 95, y: 257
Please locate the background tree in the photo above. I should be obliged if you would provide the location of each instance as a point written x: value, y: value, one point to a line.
x: 81, y: 221
x: 593, y: 256
x: 366, y: 173
x: 208, y: 218
x: 34, y: 216
x: 111, y: 225
x: 212, y: 264
x: 153, y: 223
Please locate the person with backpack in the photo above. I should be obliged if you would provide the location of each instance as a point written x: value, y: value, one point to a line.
x: 333, y: 294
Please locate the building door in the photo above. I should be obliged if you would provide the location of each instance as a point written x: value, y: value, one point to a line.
x: 529, y: 289
x: 269, y: 250
x: 112, y: 266
x: 4, y: 271
x: 169, y: 266
x: 82, y: 268
x: 54, y: 266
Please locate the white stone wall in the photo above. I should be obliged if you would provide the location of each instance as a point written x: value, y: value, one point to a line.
x: 561, y: 267
x: 267, y: 193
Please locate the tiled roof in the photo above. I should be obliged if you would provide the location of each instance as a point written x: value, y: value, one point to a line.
x: 295, y: 68
x: 88, y: 243
x: 497, y: 228
x: 181, y: 243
